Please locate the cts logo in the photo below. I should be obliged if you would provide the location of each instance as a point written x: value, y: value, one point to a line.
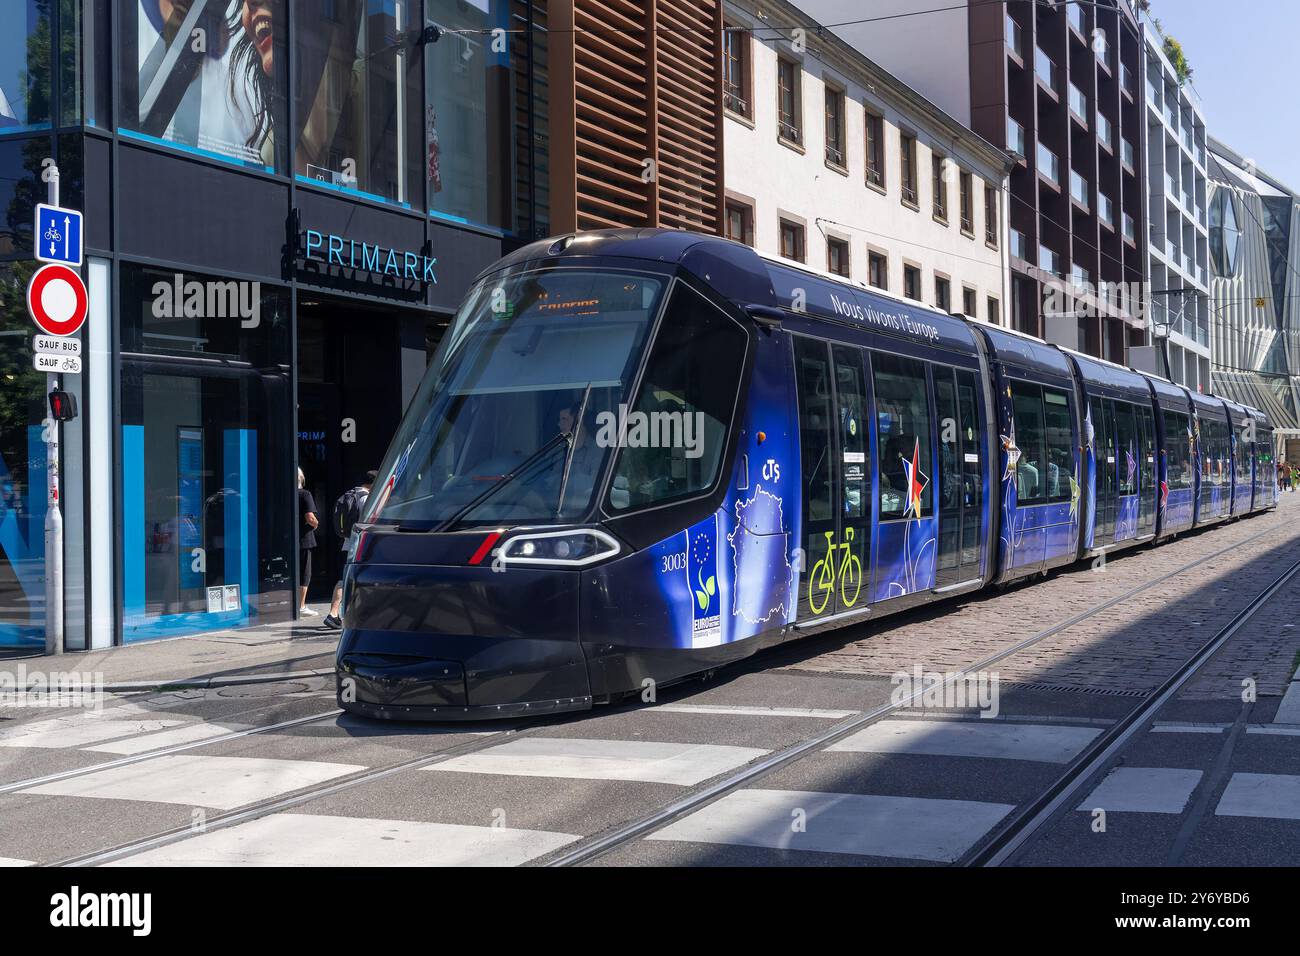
x: 771, y: 470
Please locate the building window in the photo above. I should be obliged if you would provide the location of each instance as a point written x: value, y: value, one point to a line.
x: 877, y: 270
x: 740, y: 222
x: 912, y: 282
x: 875, y: 150
x: 227, y: 103
x: 787, y: 101
x: 474, y: 173
x: 991, y: 218
x: 968, y: 302
x: 358, y: 108
x: 837, y: 257
x: 940, y: 186
x: 942, y: 294
x: 967, y: 204
x: 1225, y: 233
x: 736, y: 66
x: 907, y: 167
x: 792, y: 240
x: 994, y: 315
x: 835, y: 127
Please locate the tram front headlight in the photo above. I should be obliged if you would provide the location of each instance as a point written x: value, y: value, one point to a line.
x: 570, y: 549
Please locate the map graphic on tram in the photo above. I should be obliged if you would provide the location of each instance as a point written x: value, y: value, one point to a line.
x: 759, y: 555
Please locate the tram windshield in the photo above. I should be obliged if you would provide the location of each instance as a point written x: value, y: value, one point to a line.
x: 502, y: 428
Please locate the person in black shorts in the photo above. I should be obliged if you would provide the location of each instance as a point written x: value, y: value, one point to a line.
x: 308, y: 522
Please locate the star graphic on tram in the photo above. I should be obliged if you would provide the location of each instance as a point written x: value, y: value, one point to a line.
x: 1013, y: 452
x: 1164, y: 494
x: 1074, y: 493
x: 916, y: 482
x: 1089, y: 434
x: 1132, y: 464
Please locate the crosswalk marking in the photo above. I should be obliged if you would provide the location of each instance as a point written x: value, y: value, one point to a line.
x: 188, y: 733
x: 583, y: 759
x: 1174, y: 728
x: 78, y: 731
x: 746, y: 711
x: 1288, y: 712
x: 302, y: 839
x: 1050, y: 744
x: 1143, y: 790
x: 222, y: 783
x: 914, y: 828
x: 1272, y: 795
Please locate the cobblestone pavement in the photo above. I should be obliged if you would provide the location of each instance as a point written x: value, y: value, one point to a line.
x: 1127, y: 649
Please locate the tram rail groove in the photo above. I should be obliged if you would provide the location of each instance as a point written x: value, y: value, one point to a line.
x: 623, y: 834
x: 1008, y: 839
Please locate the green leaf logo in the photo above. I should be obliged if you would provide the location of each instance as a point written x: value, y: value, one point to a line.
x: 711, y: 586
x: 703, y: 599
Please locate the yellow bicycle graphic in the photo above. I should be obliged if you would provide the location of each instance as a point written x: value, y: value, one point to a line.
x: 821, y: 583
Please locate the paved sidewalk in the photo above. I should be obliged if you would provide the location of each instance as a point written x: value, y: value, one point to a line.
x: 259, y: 654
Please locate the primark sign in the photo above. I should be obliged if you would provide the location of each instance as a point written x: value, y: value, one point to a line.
x: 328, y: 255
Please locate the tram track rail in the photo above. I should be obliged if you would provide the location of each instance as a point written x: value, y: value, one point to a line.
x: 1035, y: 813
x: 602, y: 843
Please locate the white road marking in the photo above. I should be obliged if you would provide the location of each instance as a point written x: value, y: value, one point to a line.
x: 303, y: 839
x: 10, y: 861
x: 1272, y: 795
x: 1288, y: 712
x: 969, y: 739
x: 77, y: 732
x: 1269, y: 729
x: 1173, y: 728
x: 1143, y: 790
x: 222, y: 783
x: 577, y: 758
x: 913, y: 828
x: 747, y: 711
x: 166, y: 738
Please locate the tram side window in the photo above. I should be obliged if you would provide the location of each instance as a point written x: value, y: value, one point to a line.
x: 1243, y: 459
x: 1178, y: 451
x: 1127, y: 451
x: 1060, y: 444
x: 1031, y: 477
x: 903, y: 424
x: 812, y: 371
x: 686, y: 403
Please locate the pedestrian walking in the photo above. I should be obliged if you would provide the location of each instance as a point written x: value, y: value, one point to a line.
x: 308, y: 522
x: 348, y: 510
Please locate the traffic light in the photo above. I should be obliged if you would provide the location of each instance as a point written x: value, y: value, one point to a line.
x: 63, y: 405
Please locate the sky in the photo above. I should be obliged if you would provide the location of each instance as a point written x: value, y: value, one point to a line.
x: 1244, y: 67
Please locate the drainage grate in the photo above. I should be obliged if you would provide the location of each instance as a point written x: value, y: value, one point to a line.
x: 1076, y: 689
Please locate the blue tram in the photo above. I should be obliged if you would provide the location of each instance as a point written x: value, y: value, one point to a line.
x: 642, y: 454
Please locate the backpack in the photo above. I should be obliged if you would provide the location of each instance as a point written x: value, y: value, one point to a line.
x: 347, y: 511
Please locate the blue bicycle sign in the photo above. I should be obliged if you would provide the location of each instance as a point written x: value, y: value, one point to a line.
x: 57, y: 235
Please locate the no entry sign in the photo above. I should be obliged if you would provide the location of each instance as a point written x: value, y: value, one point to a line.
x: 56, y: 300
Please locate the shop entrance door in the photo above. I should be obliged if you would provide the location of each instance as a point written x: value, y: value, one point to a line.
x: 349, y: 406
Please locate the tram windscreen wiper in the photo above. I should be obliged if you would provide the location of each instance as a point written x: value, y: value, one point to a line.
x: 502, y: 480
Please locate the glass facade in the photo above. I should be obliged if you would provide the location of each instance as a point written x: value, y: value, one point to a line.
x: 205, y: 77
x: 206, y: 469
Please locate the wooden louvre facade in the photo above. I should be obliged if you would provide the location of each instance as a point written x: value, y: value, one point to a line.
x: 636, y: 114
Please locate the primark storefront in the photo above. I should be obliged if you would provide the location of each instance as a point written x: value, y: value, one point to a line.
x: 284, y: 203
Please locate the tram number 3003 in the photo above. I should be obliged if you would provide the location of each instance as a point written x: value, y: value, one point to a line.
x: 673, y: 562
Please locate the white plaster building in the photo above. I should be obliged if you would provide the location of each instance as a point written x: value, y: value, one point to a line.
x: 834, y: 162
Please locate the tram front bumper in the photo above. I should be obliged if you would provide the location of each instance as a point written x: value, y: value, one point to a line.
x: 449, y: 643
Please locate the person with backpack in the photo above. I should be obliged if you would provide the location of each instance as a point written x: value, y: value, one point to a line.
x: 348, y: 510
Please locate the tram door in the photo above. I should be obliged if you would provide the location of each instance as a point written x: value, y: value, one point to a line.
x: 1148, y: 480
x: 836, y: 484
x: 1103, y: 444
x: 961, y: 480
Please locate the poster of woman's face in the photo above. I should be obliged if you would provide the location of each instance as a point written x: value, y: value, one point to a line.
x: 207, y: 74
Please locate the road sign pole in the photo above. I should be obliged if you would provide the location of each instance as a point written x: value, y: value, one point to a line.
x: 53, y: 511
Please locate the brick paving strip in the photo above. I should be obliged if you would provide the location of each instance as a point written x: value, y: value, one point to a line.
x: 1129, y: 648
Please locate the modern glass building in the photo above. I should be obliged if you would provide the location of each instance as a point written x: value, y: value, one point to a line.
x: 1254, y: 240
x: 284, y: 203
